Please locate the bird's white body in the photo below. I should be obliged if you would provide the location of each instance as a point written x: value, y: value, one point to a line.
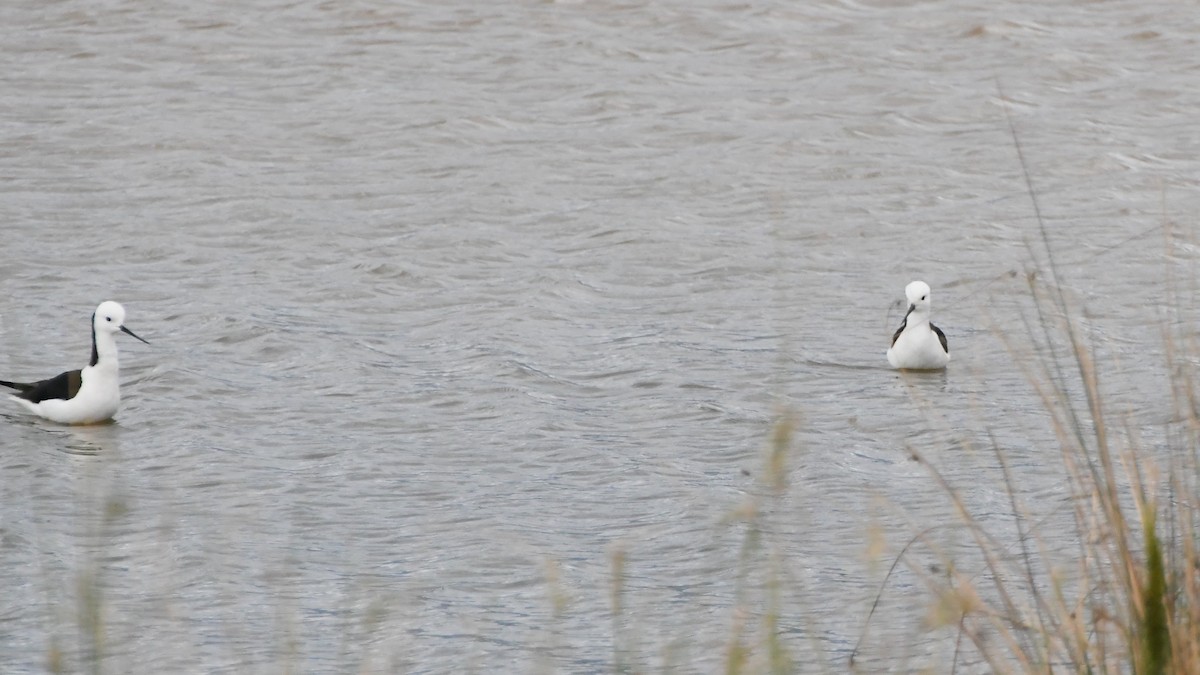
x: 91, y: 394
x: 98, y: 399
x: 918, y: 344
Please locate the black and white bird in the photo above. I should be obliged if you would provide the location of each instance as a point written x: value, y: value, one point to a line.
x: 918, y: 344
x: 87, y: 396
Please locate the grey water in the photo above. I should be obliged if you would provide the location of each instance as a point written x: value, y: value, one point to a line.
x: 453, y: 304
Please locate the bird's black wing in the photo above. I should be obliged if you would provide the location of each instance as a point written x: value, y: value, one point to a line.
x: 899, y: 331
x: 63, y: 386
x: 941, y: 338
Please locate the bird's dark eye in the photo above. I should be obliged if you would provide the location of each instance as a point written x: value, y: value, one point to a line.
x: 109, y: 318
x: 922, y: 297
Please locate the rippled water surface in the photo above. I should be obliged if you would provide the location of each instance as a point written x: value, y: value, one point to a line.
x: 457, y: 309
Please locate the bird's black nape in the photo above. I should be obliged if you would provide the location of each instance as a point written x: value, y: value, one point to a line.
x: 95, y: 354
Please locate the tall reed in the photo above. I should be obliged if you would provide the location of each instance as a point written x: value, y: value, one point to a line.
x: 1128, y: 599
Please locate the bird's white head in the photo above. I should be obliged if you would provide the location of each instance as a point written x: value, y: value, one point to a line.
x: 110, y: 318
x: 917, y: 293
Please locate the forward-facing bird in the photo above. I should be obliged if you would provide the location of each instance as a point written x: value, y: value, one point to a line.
x: 85, y: 396
x: 918, y: 344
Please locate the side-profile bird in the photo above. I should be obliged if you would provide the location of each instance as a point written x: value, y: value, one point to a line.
x: 85, y: 396
x: 918, y: 344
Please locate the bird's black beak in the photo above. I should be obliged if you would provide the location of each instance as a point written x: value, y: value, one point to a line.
x: 126, y: 330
